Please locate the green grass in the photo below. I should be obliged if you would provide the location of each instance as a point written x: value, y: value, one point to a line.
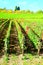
x: 21, y: 15
x: 33, y: 60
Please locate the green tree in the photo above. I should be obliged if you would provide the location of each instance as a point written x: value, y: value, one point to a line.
x: 17, y: 8
x: 40, y: 11
x: 4, y: 8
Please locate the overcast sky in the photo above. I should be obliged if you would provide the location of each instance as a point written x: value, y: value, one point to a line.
x: 32, y: 5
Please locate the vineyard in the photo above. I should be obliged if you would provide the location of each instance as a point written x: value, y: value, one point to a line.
x: 21, y: 37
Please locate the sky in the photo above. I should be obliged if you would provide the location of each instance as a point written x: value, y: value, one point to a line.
x: 33, y: 5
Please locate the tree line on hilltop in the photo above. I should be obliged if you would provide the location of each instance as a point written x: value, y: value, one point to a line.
x: 17, y: 8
